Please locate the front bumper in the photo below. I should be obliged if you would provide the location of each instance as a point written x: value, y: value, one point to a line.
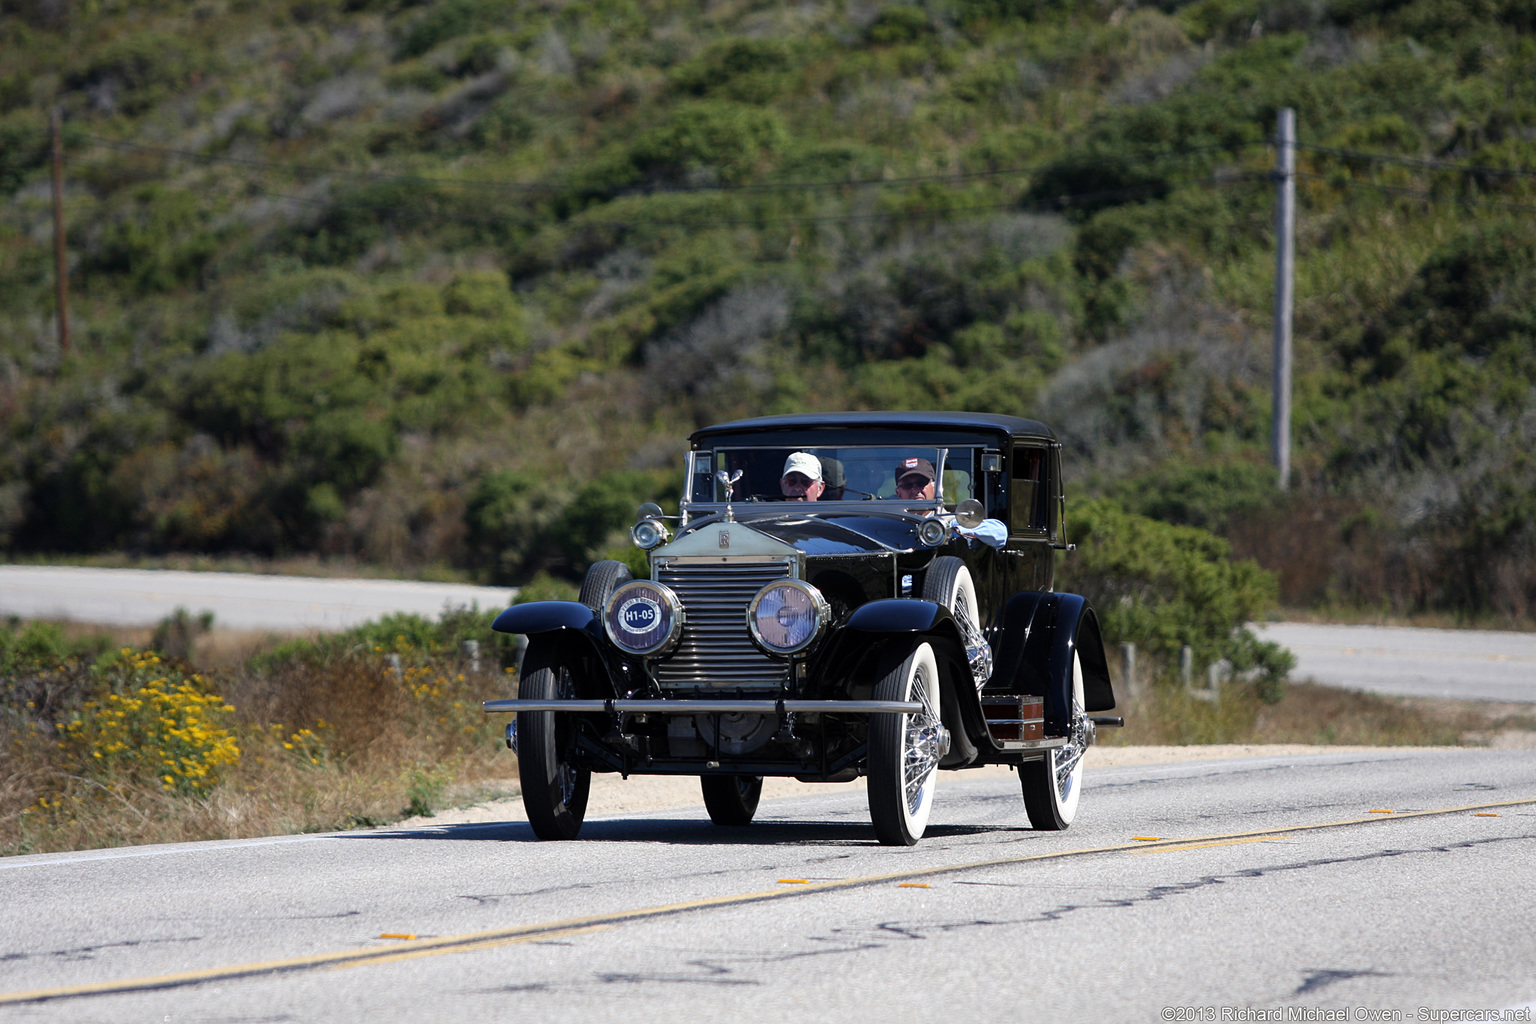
x: 694, y: 707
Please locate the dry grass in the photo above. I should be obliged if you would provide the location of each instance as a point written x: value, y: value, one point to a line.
x: 1310, y: 713
x: 327, y: 743
x: 259, y: 799
x: 1347, y: 616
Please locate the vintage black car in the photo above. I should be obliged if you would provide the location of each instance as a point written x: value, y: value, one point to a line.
x: 878, y: 630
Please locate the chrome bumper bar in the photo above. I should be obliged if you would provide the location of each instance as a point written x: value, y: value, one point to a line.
x: 694, y: 707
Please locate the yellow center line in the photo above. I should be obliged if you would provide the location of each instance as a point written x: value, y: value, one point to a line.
x: 1165, y: 848
x: 470, y: 941
x: 391, y: 956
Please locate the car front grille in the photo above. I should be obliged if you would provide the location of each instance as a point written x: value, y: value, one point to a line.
x: 716, y: 650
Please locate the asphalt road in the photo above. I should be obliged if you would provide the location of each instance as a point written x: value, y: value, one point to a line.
x: 244, y: 601
x: 1266, y: 883
x: 1462, y: 664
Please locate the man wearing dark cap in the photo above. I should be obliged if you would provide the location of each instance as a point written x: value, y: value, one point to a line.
x: 914, y: 482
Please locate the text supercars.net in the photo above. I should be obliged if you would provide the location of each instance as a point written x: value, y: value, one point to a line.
x: 1201, y: 1014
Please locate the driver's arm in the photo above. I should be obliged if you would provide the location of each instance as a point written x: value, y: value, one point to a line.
x: 991, y: 532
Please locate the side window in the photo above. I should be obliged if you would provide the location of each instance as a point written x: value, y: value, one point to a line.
x: 702, y: 486
x: 1027, y: 497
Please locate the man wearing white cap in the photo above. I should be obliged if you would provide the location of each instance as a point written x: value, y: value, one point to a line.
x: 801, y: 480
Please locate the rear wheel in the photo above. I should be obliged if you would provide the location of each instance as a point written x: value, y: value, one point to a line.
x: 904, y: 750
x: 948, y: 583
x: 554, y: 788
x: 1052, y: 786
x: 731, y: 799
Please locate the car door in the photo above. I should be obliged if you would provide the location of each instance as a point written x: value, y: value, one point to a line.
x: 1029, y: 493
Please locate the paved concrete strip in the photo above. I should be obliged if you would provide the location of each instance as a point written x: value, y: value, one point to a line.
x: 1457, y: 664
x: 1439, y: 663
x: 135, y: 597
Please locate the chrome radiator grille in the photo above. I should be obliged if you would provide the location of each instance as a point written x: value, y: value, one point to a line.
x: 716, y: 649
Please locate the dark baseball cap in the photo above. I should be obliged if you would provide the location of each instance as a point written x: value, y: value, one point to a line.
x: 914, y: 467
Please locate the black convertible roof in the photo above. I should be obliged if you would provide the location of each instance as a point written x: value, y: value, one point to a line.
x: 988, y: 422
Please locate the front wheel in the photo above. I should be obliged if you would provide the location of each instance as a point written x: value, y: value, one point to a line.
x: 731, y: 799
x: 904, y: 751
x: 554, y: 788
x: 1053, y: 785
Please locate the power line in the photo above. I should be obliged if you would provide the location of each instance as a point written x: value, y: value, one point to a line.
x: 1421, y: 164
x: 1428, y: 195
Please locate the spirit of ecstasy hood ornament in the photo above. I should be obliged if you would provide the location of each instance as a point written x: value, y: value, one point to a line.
x: 729, y: 481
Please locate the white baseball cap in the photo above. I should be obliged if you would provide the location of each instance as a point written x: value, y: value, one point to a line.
x: 804, y: 463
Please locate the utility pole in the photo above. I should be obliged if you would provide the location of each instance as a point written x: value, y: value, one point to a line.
x: 1285, y: 288
x: 60, y: 268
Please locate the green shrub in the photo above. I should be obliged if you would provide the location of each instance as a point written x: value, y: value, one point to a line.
x: 1201, y: 494
x: 520, y: 525
x: 729, y: 140
x: 443, y: 21
x: 37, y: 646
x: 159, y: 242
x: 482, y: 293
x: 23, y: 148
x: 900, y: 23
x: 745, y: 70
x: 544, y: 587
x: 506, y: 517
x: 143, y: 66
x: 1161, y: 587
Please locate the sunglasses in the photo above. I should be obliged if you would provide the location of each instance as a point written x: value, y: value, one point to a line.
x: 912, y: 483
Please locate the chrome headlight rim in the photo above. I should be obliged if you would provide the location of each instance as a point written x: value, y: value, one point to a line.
x: 648, y: 534
x: 638, y: 596
x: 933, y: 531
x: 819, y: 605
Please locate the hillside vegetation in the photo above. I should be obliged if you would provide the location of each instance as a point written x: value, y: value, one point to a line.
x: 445, y: 284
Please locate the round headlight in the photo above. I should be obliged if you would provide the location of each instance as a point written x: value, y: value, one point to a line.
x: 647, y: 534
x: 787, y: 616
x: 932, y: 532
x: 643, y: 618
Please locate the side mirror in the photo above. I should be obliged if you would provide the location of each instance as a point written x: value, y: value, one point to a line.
x: 969, y: 513
x: 650, y: 510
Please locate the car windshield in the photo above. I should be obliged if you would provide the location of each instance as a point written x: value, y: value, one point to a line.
x: 854, y: 473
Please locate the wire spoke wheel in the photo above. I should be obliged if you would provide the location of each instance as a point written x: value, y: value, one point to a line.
x: 948, y: 583
x: 1053, y: 785
x: 904, y: 751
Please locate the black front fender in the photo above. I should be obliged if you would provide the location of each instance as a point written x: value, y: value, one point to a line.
x: 543, y: 616
x: 872, y: 626
x: 570, y: 625
x: 1041, y: 633
x: 879, y: 634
